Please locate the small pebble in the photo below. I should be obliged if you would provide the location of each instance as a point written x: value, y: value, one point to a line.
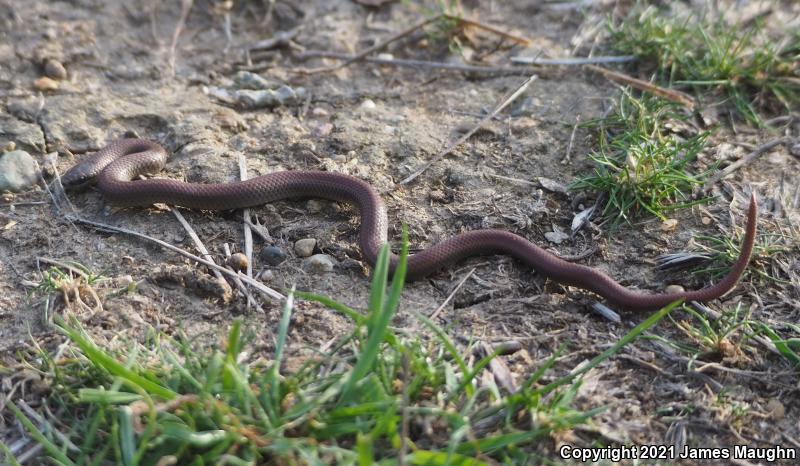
x: 45, y: 84
x: 706, y: 220
x: 795, y: 150
x: 124, y: 280
x: 776, y: 409
x: 272, y: 255
x: 305, y: 247
x: 506, y: 348
x: 669, y: 224
x: 556, y: 236
x: 314, y: 206
x: 318, y: 263
x: 367, y: 106
x: 674, y: 289
x: 266, y: 276
x: 237, y: 261
x: 319, y: 112
x: 17, y: 171
x: 322, y: 130
x: 54, y: 69
x: 552, y: 185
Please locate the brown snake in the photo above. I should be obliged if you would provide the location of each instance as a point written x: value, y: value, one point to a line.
x: 115, y: 167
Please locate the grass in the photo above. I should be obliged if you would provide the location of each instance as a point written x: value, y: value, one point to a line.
x: 752, y: 69
x: 379, y: 395
x: 60, y: 287
x: 772, y: 254
x: 732, y: 337
x: 640, y: 167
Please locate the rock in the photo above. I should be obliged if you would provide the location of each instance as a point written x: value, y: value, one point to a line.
x: 237, y: 261
x: 55, y: 70
x: 674, y: 289
x: 552, y: 185
x: 268, y: 98
x: 367, y: 106
x: 556, y: 236
x: 253, y: 81
x: 45, y: 84
x: 795, y: 150
x: 266, y: 276
x: 17, y: 171
x: 22, y: 134
x: 319, y: 112
x: 272, y: 255
x: 305, y: 247
x: 319, y: 264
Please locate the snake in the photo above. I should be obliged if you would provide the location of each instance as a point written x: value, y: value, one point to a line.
x: 115, y: 171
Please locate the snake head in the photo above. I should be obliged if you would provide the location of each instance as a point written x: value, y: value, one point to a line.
x: 77, y: 178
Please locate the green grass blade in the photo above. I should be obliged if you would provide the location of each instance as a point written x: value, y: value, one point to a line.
x: 629, y: 337
x: 357, y: 317
x: 51, y: 448
x: 9, y: 457
x: 109, y: 364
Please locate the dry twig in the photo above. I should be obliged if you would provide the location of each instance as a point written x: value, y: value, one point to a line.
x: 248, y: 233
x: 420, y: 63
x: 749, y: 158
x: 186, y: 6
x: 670, y: 94
x: 506, y: 35
x: 521, y: 89
x: 103, y: 226
x: 439, y: 309
x: 374, y: 48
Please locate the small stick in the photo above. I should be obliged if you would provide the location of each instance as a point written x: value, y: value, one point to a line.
x: 499, y: 369
x: 103, y: 226
x: 186, y: 6
x: 749, y: 158
x: 375, y: 47
x: 63, y: 265
x: 469, y: 133
x: 14, y: 204
x: 567, y: 157
x: 196, y: 239
x: 515, y: 180
x: 670, y: 94
x: 438, y: 310
x: 419, y: 63
x: 45, y: 425
x: 518, y: 39
x: 248, y: 233
x: 571, y: 61
x: 206, y: 255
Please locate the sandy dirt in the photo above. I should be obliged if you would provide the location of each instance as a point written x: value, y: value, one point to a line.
x: 378, y: 123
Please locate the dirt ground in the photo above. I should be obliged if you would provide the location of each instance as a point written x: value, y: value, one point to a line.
x: 378, y: 123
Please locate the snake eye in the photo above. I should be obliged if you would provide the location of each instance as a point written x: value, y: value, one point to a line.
x: 75, y: 180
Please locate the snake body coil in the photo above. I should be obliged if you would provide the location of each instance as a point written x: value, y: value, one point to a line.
x: 116, y: 166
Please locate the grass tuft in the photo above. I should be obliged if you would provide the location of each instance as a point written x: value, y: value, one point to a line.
x: 752, y: 69
x: 380, y: 395
x: 640, y: 167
